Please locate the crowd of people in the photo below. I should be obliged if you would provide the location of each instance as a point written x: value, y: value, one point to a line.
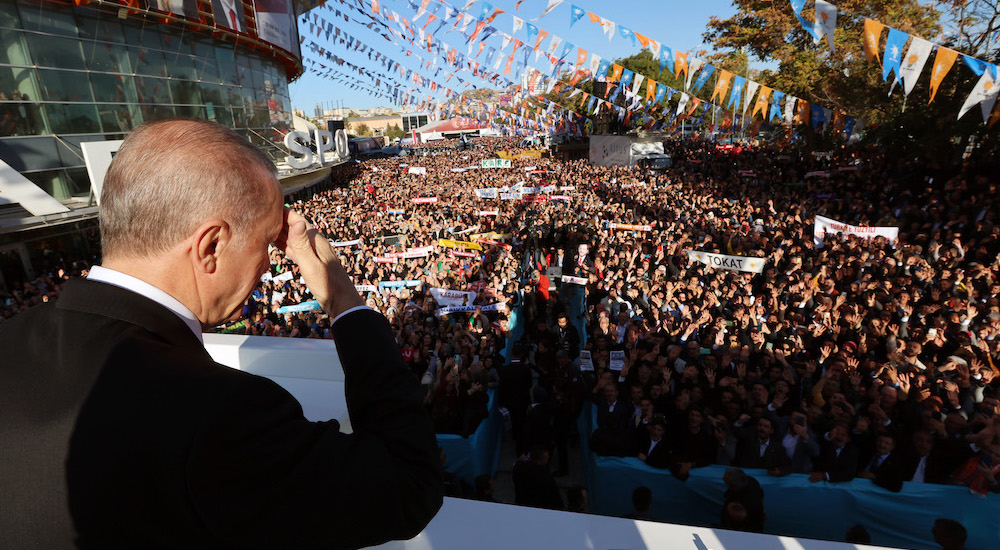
x: 843, y: 357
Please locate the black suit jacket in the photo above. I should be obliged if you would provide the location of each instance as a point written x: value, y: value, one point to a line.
x: 748, y: 455
x: 117, y: 429
x: 890, y: 473
x: 840, y: 467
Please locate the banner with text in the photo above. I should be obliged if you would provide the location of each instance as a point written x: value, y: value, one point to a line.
x: 732, y: 263
x: 826, y: 226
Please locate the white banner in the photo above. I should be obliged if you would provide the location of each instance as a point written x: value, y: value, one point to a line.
x: 339, y: 244
x: 496, y: 163
x: 489, y: 212
x: 826, y: 225
x: 275, y: 22
x: 419, y: 170
x: 424, y: 200
x: 628, y: 227
x: 365, y: 288
x: 732, y: 263
x: 617, y: 360
x: 469, y: 309
x: 510, y: 196
x: 574, y: 280
x: 286, y: 276
x: 490, y: 193
x: 586, y: 362
x: 451, y: 298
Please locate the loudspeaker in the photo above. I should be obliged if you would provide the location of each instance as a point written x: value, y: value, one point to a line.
x: 334, y: 125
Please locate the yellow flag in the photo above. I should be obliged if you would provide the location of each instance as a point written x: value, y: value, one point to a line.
x: 644, y: 40
x: 943, y: 61
x: 650, y: 89
x: 762, y: 104
x: 873, y: 32
x: 722, y: 85
x: 680, y: 64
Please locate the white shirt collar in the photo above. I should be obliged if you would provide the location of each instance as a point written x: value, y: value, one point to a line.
x: 142, y: 288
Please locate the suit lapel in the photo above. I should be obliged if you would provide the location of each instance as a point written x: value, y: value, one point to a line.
x: 111, y: 301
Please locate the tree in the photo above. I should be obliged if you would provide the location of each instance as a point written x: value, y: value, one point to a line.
x: 846, y: 81
x: 393, y: 132
x: 360, y: 129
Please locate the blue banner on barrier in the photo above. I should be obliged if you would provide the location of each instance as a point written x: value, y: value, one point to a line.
x: 311, y: 305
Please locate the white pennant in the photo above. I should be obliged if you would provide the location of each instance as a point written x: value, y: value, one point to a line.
x: 748, y: 95
x: 913, y: 62
x: 826, y: 22
x: 654, y: 47
x: 682, y: 103
x: 984, y: 94
x: 790, y: 109
x: 506, y: 41
x: 518, y: 23
x: 609, y: 27
x: 548, y: 9
x: 595, y: 62
x: 636, y: 82
x: 694, y: 65
x: 553, y: 45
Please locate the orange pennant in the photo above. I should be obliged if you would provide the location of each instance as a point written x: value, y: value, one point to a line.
x: 616, y: 72
x: 581, y: 57
x: 680, y: 64
x: 594, y: 18
x: 762, y: 102
x: 873, y: 33
x: 722, y: 85
x: 541, y: 36
x: 644, y: 40
x: 803, y: 115
x: 943, y: 61
x: 650, y: 89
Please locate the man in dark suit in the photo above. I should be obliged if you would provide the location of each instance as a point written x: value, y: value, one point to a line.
x: 884, y: 466
x: 838, y: 457
x: 229, y: 14
x: 798, y: 441
x: 762, y: 450
x: 653, y: 449
x: 514, y: 386
x: 117, y: 429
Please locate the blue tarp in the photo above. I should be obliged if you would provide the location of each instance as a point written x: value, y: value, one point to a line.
x: 794, y: 505
x: 480, y: 452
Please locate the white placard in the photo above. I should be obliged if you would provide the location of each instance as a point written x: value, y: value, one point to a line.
x: 586, y: 363
x: 745, y: 264
x: 826, y: 225
x: 617, y: 360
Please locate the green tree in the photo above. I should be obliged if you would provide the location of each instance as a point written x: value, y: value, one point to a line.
x: 360, y: 129
x: 845, y: 80
x: 393, y: 132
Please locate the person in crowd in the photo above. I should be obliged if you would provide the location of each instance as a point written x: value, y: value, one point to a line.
x: 642, y: 501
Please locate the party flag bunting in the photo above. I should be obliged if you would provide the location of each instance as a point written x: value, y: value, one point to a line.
x: 609, y: 28
x: 893, y: 52
x: 983, y: 94
x: 667, y: 59
x: 680, y: 64
x: 748, y: 96
x: 703, y: 77
x: 776, y: 97
x: 913, y: 62
x: 721, y: 85
x: 872, y: 34
x: 943, y: 61
x: 762, y: 103
x: 575, y: 14
x: 734, y: 98
x: 548, y: 9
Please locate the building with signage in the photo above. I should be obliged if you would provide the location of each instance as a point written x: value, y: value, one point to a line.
x: 77, y: 75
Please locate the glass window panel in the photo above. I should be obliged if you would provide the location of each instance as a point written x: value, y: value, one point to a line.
x: 211, y: 93
x: 185, y: 92
x: 73, y: 118
x: 208, y: 69
x: 157, y: 112
x: 234, y: 96
x: 64, y: 85
x: 8, y: 15
x: 227, y: 65
x: 78, y: 181
x: 146, y: 36
x: 101, y: 26
x: 190, y: 111
x: 243, y: 70
x: 223, y: 116
x: 12, y: 49
x: 48, y: 17
x: 107, y: 57
x: 152, y: 90
x: 147, y: 62
x: 115, y: 118
x: 260, y: 119
x: 114, y: 88
x: 180, y: 66
x: 52, y: 182
x: 54, y: 51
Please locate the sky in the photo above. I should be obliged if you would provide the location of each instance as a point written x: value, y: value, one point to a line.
x: 676, y: 24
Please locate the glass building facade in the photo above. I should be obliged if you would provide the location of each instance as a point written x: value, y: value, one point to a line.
x: 71, y: 74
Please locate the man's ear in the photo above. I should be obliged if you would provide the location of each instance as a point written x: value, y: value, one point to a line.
x: 209, y: 241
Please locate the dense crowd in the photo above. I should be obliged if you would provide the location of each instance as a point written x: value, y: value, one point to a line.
x: 844, y: 357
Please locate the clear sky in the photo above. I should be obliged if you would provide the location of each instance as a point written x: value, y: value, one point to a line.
x: 676, y: 24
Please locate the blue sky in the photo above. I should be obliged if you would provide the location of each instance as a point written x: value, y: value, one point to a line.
x: 678, y: 25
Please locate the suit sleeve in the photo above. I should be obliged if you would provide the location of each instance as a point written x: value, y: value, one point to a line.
x: 261, y: 476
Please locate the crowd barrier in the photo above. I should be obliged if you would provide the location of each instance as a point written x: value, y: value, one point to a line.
x: 469, y: 457
x: 794, y: 505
